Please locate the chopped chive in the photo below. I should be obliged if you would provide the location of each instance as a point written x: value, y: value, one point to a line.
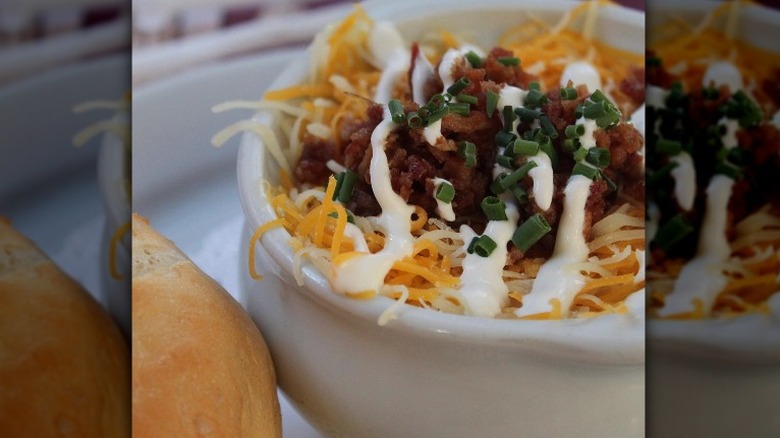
x: 494, y: 208
x: 535, y: 85
x: 346, y: 187
x: 530, y: 231
x: 509, y: 117
x: 495, y: 187
x: 594, y: 110
x: 611, y: 184
x: 525, y: 147
x: 571, y: 144
x: 585, y: 170
x: 461, y: 109
x: 668, y: 147
x: 672, y: 232
x: 504, y: 138
x: 656, y: 177
x: 445, y: 192
x: 580, y: 154
x: 608, y: 119
x: 339, y: 182
x: 483, y: 246
x: 568, y: 93
x: 473, y: 59
x: 468, y: 151
x: 599, y: 157
x: 509, y: 61
x: 437, y: 101
x: 535, y: 98
x: 517, y: 175
x: 573, y: 131
x: 436, y: 115
x: 414, y: 120
x: 458, y: 86
x: 519, y: 194
x: 598, y: 96
x: 578, y: 111
x: 491, y: 102
x: 729, y: 170
x: 528, y: 114
x: 548, y: 126
x: 505, y: 161
x: 467, y: 98
x: 396, y: 111
x: 350, y: 216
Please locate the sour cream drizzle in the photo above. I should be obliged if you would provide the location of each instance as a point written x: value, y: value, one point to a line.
x: 366, y: 272
x: 555, y: 278
x: 684, y: 180
x: 443, y: 209
x: 482, y: 285
x: 702, y: 278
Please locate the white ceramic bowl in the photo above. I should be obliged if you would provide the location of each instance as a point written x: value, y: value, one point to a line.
x: 429, y: 374
x: 715, y: 378
x: 113, y: 166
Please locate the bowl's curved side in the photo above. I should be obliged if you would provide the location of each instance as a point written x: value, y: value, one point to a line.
x: 352, y: 377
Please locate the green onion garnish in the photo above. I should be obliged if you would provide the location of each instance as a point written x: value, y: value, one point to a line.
x: 548, y: 126
x: 517, y: 175
x: 495, y: 187
x: 573, y: 131
x: 396, y: 111
x: 595, y: 110
x: 473, y: 59
x: 729, y: 170
x: 494, y: 208
x: 599, y: 157
x: 526, y: 147
x: 438, y: 100
x: 580, y: 154
x: 608, y: 119
x: 668, y: 147
x: 503, y: 139
x: 535, y: 85
x: 467, y: 98
x: 672, y: 232
x: 468, y: 151
x: 345, y: 184
x: 436, y: 115
x: 509, y: 61
x: 519, y: 194
x: 598, y: 96
x: 458, y: 86
x: 654, y: 178
x: 505, y: 161
x: 611, y: 184
x: 585, y: 170
x: 483, y: 246
x: 546, y: 146
x: 568, y: 93
x: 445, y: 192
x: 350, y: 217
x: 509, y: 117
x: 527, y: 234
x: 571, y: 144
x: 491, y: 101
x: 461, y: 109
x: 414, y: 120
x: 535, y: 98
x: 528, y: 114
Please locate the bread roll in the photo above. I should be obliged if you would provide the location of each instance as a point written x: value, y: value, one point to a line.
x: 64, y: 366
x: 200, y: 365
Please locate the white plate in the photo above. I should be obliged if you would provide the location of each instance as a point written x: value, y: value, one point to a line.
x: 49, y: 187
x: 187, y: 188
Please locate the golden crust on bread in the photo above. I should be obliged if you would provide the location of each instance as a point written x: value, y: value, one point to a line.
x: 64, y: 365
x: 200, y: 365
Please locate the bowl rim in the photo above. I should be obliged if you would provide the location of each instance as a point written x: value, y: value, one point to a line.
x: 613, y: 340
